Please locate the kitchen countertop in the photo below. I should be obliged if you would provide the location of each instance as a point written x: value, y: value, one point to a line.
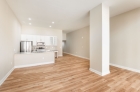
x: 35, y: 52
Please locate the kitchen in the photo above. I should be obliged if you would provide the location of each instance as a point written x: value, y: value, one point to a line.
x: 38, y: 47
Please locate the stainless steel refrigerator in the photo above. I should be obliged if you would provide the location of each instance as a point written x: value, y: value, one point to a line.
x: 26, y: 46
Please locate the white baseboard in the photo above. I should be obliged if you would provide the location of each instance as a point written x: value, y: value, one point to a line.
x: 76, y: 55
x: 6, y: 76
x: 127, y: 68
x: 95, y: 71
x: 30, y: 65
x: 99, y: 73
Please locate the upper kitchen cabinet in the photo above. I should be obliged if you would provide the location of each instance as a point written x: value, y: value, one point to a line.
x: 23, y: 37
x: 34, y: 40
x: 49, y: 40
x: 42, y: 38
x: 29, y: 38
x: 55, y: 40
x: 26, y: 38
x: 37, y: 38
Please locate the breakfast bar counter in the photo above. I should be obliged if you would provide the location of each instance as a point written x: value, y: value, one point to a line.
x: 34, y: 59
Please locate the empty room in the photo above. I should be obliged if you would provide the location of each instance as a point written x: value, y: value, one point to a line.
x: 69, y: 45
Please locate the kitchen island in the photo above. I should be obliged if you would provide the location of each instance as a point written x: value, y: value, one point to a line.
x: 33, y: 59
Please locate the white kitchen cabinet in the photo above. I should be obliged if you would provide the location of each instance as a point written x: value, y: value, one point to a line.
x: 52, y: 40
x: 26, y: 37
x: 34, y: 40
x: 29, y: 38
x: 49, y: 40
x: 23, y: 37
x: 55, y: 41
x: 42, y: 38
x: 38, y: 38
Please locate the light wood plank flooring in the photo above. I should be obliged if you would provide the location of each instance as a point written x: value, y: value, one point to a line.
x: 70, y: 74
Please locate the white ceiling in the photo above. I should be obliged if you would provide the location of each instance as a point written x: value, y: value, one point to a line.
x: 68, y: 15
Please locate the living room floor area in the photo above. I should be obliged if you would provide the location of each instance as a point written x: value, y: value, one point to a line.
x: 70, y: 74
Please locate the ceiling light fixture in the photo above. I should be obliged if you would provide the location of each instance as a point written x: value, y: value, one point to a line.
x: 30, y: 23
x: 50, y: 26
x: 52, y: 22
x: 30, y: 19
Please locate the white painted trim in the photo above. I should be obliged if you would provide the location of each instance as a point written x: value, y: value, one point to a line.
x: 105, y: 73
x: 76, y: 55
x: 30, y: 65
x: 6, y: 76
x: 95, y: 71
x: 99, y: 73
x: 124, y: 67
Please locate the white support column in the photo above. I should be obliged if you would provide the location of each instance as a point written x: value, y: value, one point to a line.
x: 99, y: 40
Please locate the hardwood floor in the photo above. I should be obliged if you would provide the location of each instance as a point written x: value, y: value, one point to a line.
x: 70, y: 74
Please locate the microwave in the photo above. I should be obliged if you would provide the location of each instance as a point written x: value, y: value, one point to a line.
x: 40, y: 43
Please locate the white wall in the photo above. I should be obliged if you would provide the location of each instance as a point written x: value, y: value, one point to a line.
x: 10, y: 30
x: 64, y: 36
x: 32, y: 30
x: 105, y: 39
x: 96, y: 38
x: 125, y: 39
x: 77, y: 42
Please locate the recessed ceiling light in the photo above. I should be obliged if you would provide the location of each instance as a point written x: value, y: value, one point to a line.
x: 50, y: 26
x: 30, y: 19
x: 30, y: 23
x: 52, y: 22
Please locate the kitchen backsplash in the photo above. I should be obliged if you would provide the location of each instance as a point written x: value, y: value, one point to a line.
x: 47, y: 47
